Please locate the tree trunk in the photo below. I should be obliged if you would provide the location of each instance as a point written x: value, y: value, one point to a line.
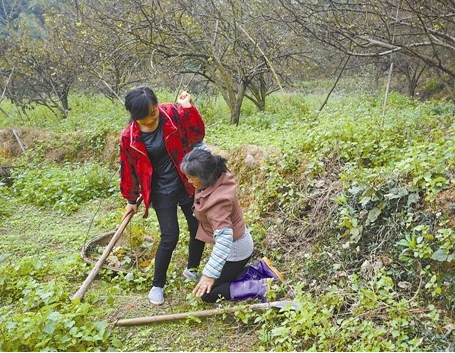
x: 258, y: 89
x: 63, y: 98
x: 236, y: 105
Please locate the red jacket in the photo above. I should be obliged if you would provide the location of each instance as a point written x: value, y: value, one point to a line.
x: 182, y: 127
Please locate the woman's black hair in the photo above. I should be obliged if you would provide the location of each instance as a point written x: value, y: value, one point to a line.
x: 204, y: 165
x: 139, y: 101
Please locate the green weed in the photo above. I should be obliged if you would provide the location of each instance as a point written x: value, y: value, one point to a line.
x: 346, y: 201
x: 63, y: 187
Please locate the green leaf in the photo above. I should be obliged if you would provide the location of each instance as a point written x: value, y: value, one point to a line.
x: 413, y: 198
x: 49, y: 327
x: 116, y: 342
x: 373, y: 214
x: 439, y: 255
x: 356, y: 234
x: 193, y: 318
x: 403, y: 242
x: 364, y: 201
x: 280, y: 331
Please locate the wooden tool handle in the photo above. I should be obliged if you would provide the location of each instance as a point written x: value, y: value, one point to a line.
x: 202, y: 313
x: 80, y: 293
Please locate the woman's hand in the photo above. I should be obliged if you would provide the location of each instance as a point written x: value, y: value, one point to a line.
x: 185, y: 100
x: 129, y: 208
x: 204, y: 286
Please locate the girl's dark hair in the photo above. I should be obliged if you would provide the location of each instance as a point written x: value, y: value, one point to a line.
x: 139, y: 101
x: 204, y: 165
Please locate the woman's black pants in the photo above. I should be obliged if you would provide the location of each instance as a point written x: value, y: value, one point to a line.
x: 166, y: 211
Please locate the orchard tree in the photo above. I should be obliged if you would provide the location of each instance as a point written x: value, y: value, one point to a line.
x: 415, y: 34
x: 43, y: 73
x: 227, y: 43
x: 112, y: 60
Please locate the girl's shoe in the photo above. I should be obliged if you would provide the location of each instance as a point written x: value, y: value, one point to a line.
x: 156, y: 295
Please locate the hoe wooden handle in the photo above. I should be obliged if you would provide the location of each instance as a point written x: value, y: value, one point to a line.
x: 80, y: 293
x: 203, y: 313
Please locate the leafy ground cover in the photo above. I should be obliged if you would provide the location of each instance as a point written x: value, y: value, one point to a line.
x: 355, y: 207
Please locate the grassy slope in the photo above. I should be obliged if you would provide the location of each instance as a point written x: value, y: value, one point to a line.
x: 46, y: 235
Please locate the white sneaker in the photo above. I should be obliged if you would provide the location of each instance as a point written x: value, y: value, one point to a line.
x: 156, y: 295
x: 191, y: 274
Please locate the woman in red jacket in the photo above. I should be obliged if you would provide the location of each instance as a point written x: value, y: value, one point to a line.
x: 221, y: 223
x: 152, y: 146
